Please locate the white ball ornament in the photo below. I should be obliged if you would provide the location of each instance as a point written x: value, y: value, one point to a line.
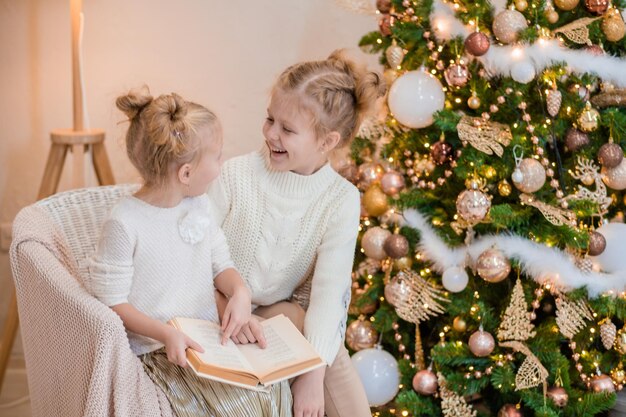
x: 615, y: 178
x: 378, y: 371
x: 523, y: 72
x: 414, y: 97
x: 454, y: 279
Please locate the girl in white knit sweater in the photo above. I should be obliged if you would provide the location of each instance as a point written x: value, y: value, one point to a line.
x: 161, y: 254
x: 291, y: 221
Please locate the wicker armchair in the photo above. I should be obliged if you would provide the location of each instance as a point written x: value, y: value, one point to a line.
x: 78, y: 359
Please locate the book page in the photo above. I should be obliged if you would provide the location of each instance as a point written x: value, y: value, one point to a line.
x: 285, y: 346
x: 208, y: 335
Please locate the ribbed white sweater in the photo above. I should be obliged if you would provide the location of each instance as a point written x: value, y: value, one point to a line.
x: 160, y: 260
x: 288, y: 231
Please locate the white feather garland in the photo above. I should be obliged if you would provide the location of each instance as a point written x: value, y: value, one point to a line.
x: 500, y: 60
x: 540, y: 262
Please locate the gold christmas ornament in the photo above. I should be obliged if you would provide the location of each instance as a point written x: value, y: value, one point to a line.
x: 618, y: 375
x: 453, y: 404
x: 394, y: 55
x: 360, y: 334
x: 516, y: 323
x: 493, y: 266
x: 608, y: 332
x: 459, y: 324
x: 553, y: 101
x: 589, y: 119
x: 403, y: 263
x: 504, y: 188
x: 620, y: 341
x: 588, y: 172
x: 566, y: 5
x: 552, y: 15
x: 555, y: 215
x: 558, y: 395
x: 615, y: 178
x: 488, y: 171
x: 481, y: 343
x: 571, y: 315
x: 487, y: 137
x: 521, y: 5
x: 613, y: 25
x: 531, y: 373
x: 507, y: 24
x: 373, y: 242
x: 422, y: 301
x: 425, y: 382
x: 612, y: 98
x: 578, y: 31
x: 473, y: 102
x: 529, y: 176
x: 375, y: 201
x: 602, y: 383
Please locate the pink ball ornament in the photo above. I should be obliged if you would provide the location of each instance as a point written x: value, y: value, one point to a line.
x: 481, y: 343
x: 425, y: 382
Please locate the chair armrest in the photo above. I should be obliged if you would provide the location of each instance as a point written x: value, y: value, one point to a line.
x: 78, y: 359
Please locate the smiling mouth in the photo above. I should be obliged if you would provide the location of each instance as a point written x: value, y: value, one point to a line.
x: 276, y: 150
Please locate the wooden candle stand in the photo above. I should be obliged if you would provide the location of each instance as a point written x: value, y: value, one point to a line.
x: 79, y: 140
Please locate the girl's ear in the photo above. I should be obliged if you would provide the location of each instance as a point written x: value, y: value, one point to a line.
x: 184, y: 174
x: 330, y: 141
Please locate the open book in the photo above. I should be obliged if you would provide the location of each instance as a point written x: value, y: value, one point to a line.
x: 287, y: 354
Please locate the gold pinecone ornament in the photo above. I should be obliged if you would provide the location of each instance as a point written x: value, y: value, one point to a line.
x: 553, y: 101
x: 608, y: 331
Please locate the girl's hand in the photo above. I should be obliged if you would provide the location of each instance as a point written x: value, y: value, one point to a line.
x: 176, y: 343
x: 308, y: 394
x: 238, y: 312
x: 251, y: 332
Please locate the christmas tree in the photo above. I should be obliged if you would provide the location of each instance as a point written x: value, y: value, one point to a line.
x: 491, y: 269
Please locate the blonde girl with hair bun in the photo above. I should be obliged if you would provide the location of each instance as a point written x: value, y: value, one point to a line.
x: 161, y: 254
x: 292, y: 222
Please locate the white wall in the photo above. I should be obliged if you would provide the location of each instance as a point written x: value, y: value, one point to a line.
x: 224, y: 54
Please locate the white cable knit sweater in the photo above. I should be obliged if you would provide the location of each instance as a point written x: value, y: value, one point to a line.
x: 292, y: 233
x: 160, y: 260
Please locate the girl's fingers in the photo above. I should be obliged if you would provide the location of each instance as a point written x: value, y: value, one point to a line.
x: 194, y: 345
x: 248, y: 332
x: 257, y: 332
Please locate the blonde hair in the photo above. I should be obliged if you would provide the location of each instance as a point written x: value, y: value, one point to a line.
x: 163, y: 132
x: 336, y: 92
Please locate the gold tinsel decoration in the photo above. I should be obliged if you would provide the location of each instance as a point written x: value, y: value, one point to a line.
x: 577, y: 31
x: 571, y: 315
x: 532, y: 372
x: 516, y: 323
x: 452, y: 404
x: 608, y: 331
x: 423, y: 302
x: 487, y: 137
x: 555, y: 215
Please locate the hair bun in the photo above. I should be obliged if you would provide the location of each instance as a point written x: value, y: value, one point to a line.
x: 134, y: 102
